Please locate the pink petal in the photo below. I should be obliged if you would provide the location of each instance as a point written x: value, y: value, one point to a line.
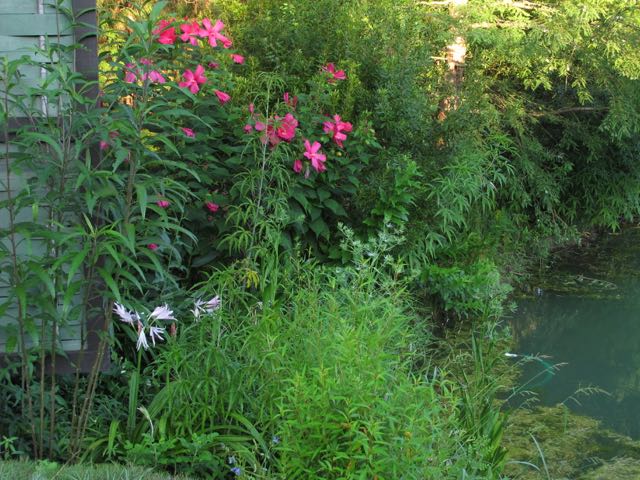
x: 156, y: 77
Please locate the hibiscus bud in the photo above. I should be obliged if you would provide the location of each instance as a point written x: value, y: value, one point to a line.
x: 222, y: 96
x: 237, y: 58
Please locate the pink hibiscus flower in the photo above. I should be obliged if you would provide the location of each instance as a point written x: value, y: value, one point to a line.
x: 317, y: 159
x: 212, y: 207
x: 193, y: 80
x: 152, y: 246
x: 188, y: 132
x: 212, y: 33
x: 337, y: 129
x: 132, y: 73
x: 190, y: 32
x: 162, y: 203
x: 287, y: 129
x: 166, y: 36
x: 297, y: 166
x: 155, y: 76
x: 237, y: 58
x: 334, y: 74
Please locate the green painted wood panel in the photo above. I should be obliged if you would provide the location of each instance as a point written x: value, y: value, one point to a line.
x: 10, y: 43
x: 27, y: 6
x: 29, y: 25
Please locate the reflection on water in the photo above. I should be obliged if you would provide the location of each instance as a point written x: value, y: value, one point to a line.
x: 587, y: 317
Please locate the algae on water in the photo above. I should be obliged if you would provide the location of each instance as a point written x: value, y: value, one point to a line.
x: 573, y: 446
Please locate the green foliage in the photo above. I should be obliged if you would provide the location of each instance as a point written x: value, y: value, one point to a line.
x: 308, y: 371
x: 475, y: 290
x: 547, y: 127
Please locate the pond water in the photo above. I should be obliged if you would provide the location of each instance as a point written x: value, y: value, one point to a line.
x: 583, y: 318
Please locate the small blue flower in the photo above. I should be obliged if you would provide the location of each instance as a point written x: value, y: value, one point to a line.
x: 237, y: 471
x: 275, y: 439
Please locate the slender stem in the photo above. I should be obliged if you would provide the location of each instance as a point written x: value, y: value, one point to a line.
x: 89, y: 276
x: 263, y: 167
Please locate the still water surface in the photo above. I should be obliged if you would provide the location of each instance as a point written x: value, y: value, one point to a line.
x: 584, y: 313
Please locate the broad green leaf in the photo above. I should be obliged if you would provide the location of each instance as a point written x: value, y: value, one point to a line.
x: 111, y: 283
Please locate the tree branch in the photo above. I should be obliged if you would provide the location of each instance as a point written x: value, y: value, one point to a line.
x: 562, y: 111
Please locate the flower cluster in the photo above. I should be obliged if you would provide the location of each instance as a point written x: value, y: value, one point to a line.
x: 192, y: 32
x: 201, y: 307
x: 133, y: 73
x: 148, y: 325
x: 277, y: 129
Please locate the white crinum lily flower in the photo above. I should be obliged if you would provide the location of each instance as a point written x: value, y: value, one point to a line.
x: 163, y: 313
x: 156, y: 333
x: 125, y: 315
x: 142, y: 340
x: 212, y: 304
x: 200, y: 306
x: 197, y: 309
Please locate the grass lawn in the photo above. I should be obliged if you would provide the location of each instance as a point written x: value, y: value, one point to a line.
x: 16, y: 470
